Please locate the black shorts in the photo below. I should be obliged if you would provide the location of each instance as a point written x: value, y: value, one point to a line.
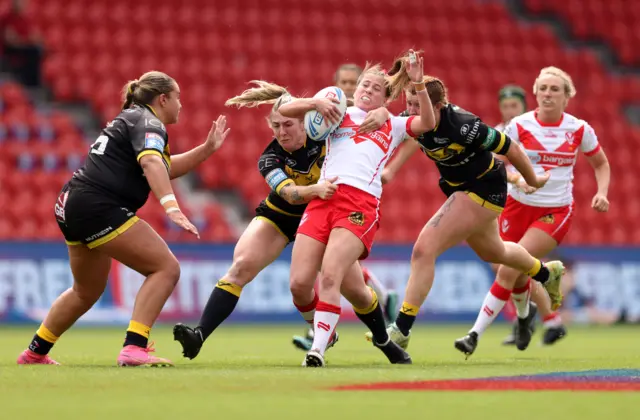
x: 86, y: 216
x: 489, y: 191
x: 286, y: 224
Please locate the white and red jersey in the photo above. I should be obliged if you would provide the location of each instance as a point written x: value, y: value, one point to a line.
x: 553, y: 148
x: 358, y: 159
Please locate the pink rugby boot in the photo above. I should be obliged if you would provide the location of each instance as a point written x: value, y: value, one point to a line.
x: 138, y: 356
x: 29, y: 357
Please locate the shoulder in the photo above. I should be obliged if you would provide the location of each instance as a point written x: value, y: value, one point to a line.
x: 571, y: 122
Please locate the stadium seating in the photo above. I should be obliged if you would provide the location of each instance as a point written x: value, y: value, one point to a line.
x: 214, y: 48
x: 594, y: 20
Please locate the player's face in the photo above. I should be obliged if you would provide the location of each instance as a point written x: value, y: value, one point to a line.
x: 511, y: 108
x: 370, y: 93
x: 347, y: 81
x: 288, y: 131
x: 413, y: 106
x: 550, y: 93
x: 172, y: 105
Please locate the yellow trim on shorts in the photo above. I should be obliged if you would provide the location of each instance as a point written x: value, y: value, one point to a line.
x: 274, y: 208
x: 122, y: 229
x: 484, y: 203
x: 272, y: 223
x: 503, y: 139
x: 72, y: 243
x: 149, y: 152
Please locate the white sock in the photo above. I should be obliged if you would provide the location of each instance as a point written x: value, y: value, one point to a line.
x: 325, y: 322
x: 491, y: 307
x: 521, y: 297
x: 373, y: 282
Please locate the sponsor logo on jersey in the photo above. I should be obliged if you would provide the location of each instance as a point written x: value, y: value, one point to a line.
x: 464, y: 130
x: 100, y: 234
x: 154, y: 141
x: 290, y: 162
x: 153, y: 122
x: 441, y: 140
x: 552, y: 159
x: 357, y: 218
x: 474, y: 132
x: 444, y: 153
x: 488, y: 141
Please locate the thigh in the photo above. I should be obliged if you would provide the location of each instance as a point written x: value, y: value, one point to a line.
x: 343, y: 251
x: 357, y: 212
x: 140, y: 248
x: 90, y: 269
x: 457, y: 219
x: 538, y: 242
x: 306, y: 260
x: 260, y: 244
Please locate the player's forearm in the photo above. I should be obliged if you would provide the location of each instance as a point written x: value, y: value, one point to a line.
x: 521, y: 162
x: 427, y: 119
x: 603, y: 177
x: 297, y: 108
x: 296, y: 194
x: 186, y: 162
x: 407, y: 150
x: 156, y: 173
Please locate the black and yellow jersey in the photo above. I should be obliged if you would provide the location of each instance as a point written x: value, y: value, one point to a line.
x: 280, y: 168
x: 112, y: 165
x: 462, y: 145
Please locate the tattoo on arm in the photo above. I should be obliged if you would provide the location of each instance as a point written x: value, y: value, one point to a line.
x: 291, y: 194
x: 435, y: 220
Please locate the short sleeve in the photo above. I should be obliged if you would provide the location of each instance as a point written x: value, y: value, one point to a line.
x: 273, y: 169
x: 148, y: 138
x: 589, y: 145
x: 480, y: 136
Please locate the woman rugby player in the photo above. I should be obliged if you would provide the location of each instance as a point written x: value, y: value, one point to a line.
x: 334, y: 234
x: 475, y: 182
x: 540, y: 219
x: 96, y: 213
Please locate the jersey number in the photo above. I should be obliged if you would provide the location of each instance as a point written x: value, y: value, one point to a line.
x: 100, y: 145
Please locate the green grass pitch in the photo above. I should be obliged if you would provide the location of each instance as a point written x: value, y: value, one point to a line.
x: 253, y: 372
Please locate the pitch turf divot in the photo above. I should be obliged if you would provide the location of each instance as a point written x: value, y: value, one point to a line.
x: 596, y: 380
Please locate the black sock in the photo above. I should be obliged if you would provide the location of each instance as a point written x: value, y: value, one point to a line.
x: 542, y: 275
x: 404, y: 322
x: 135, y: 339
x: 374, y: 320
x: 40, y: 346
x: 220, y: 305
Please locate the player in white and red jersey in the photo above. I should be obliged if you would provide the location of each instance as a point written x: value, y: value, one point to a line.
x: 334, y: 234
x: 540, y: 219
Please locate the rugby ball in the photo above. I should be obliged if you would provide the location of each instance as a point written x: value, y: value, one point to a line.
x: 317, y: 128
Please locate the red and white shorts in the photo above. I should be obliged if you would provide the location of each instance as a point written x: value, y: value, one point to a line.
x: 349, y: 208
x: 517, y: 218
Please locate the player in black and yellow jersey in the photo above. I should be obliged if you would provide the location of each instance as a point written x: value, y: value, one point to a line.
x: 475, y: 183
x: 290, y: 165
x: 96, y: 212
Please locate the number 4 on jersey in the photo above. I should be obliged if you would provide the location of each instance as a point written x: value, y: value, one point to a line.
x: 100, y: 145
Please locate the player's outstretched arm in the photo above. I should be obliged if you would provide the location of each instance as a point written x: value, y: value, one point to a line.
x: 186, y: 162
x: 426, y: 121
x: 156, y: 174
x: 296, y: 194
x: 298, y: 107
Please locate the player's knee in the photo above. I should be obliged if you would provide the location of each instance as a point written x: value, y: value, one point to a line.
x: 88, y: 295
x: 300, y: 286
x: 242, y: 271
x: 423, y: 251
x: 171, y: 269
x: 491, y: 255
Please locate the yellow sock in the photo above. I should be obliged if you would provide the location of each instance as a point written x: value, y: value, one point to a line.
x: 234, y: 289
x: 409, y: 309
x: 44, y: 333
x: 535, y: 269
x: 370, y: 308
x: 138, y: 328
